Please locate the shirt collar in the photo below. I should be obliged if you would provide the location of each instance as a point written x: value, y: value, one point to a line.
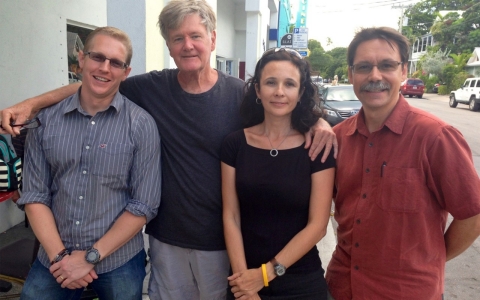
x: 73, y: 102
x: 395, y: 121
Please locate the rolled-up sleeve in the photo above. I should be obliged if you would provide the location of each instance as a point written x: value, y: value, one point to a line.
x: 37, y: 179
x: 145, y: 175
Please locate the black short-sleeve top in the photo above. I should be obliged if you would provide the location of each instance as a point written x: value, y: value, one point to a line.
x: 274, y: 198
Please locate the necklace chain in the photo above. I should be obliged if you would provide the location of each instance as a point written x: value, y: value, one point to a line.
x: 274, y: 151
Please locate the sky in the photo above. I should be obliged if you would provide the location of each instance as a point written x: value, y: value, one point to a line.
x: 340, y: 19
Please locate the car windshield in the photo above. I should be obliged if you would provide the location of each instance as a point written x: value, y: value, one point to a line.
x: 341, y: 94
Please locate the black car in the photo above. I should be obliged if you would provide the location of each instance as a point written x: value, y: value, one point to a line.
x: 338, y: 103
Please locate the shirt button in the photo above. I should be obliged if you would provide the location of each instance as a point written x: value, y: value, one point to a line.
x: 87, y: 147
x: 84, y: 172
x: 77, y: 222
x: 81, y: 197
x: 367, y: 170
x: 356, y: 267
x: 358, y: 221
x: 364, y: 196
x: 370, y: 145
x: 357, y: 245
x: 77, y: 245
x: 93, y: 122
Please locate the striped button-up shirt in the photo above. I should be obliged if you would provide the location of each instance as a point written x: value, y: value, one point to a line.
x: 89, y: 170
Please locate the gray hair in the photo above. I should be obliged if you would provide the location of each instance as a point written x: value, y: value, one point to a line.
x: 175, y: 11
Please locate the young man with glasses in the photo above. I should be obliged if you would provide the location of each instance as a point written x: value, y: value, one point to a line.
x: 393, y: 192
x: 92, y: 181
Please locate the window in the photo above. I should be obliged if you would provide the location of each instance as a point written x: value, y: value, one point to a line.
x: 76, y: 37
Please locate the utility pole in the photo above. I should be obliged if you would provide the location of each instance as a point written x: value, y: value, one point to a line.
x: 402, y: 7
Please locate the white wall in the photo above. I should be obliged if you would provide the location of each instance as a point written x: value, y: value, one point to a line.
x: 34, y: 59
x: 34, y: 52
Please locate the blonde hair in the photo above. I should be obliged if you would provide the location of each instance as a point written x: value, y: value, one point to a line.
x: 114, y: 33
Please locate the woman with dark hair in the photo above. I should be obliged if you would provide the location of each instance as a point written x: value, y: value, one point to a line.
x: 276, y: 201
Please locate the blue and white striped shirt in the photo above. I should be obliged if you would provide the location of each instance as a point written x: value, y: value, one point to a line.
x: 89, y: 170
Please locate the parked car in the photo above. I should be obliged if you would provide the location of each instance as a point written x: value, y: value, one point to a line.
x: 469, y: 94
x: 412, y: 87
x: 338, y: 103
x: 72, y: 78
x: 318, y: 80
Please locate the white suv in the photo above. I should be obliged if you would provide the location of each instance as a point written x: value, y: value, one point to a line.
x: 469, y: 94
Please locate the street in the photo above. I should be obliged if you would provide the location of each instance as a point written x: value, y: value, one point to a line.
x: 462, y: 276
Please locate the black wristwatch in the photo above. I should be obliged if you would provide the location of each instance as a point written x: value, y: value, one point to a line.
x: 278, y: 268
x: 92, y: 256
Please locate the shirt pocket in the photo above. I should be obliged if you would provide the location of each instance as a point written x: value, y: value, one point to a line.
x: 113, y: 161
x: 400, y: 189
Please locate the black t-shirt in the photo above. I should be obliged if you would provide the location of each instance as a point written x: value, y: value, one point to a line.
x: 274, y: 198
x: 192, y: 127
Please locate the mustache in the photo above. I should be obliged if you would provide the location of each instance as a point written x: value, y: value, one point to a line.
x: 375, y: 86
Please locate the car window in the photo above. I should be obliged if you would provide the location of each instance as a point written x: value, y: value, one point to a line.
x: 478, y: 83
x: 414, y: 82
x: 467, y: 83
x: 472, y: 84
x: 344, y: 94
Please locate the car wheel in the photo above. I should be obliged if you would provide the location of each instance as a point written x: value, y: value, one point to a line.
x: 410, y: 96
x: 472, y: 105
x: 453, y: 102
x: 419, y: 96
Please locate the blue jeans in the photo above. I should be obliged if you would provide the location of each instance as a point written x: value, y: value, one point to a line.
x: 125, y: 282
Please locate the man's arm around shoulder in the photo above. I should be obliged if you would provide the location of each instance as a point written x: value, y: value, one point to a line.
x: 26, y: 109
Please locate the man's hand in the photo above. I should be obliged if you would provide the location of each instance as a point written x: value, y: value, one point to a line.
x: 246, y: 284
x: 323, y: 136
x: 73, y: 268
x: 17, y: 114
x: 83, y: 282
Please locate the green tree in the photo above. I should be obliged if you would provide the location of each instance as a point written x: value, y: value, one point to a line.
x: 314, y: 44
x: 422, y: 15
x: 319, y: 60
x: 460, y: 60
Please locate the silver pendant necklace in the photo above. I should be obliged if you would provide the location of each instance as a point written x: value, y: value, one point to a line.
x: 274, y: 151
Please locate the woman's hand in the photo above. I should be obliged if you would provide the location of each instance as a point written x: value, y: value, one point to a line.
x: 246, y: 284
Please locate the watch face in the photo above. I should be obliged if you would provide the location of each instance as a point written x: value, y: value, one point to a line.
x: 92, y: 256
x: 279, y: 270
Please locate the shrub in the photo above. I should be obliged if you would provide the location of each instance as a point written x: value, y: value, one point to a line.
x: 430, y: 82
x: 443, y: 90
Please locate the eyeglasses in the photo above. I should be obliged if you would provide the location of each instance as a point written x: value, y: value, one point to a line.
x: 385, y: 66
x: 99, y: 57
x: 34, y: 123
x: 273, y: 50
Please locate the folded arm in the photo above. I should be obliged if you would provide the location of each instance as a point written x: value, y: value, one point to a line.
x: 460, y: 235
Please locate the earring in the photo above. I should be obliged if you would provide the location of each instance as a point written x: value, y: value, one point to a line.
x: 258, y: 101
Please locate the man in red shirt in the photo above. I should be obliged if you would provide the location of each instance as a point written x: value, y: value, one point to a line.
x: 400, y: 171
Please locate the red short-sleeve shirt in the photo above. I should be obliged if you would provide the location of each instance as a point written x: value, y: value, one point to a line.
x: 395, y: 188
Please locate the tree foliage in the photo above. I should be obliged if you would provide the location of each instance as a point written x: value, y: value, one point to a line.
x: 327, y: 63
x: 433, y: 62
x: 422, y: 16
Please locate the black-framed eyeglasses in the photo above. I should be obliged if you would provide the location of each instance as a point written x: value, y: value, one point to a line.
x: 273, y: 50
x: 385, y: 66
x: 99, y: 57
x: 34, y: 123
